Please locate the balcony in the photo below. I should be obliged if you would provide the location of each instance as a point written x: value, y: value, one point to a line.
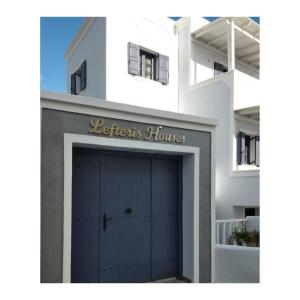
x: 233, y: 43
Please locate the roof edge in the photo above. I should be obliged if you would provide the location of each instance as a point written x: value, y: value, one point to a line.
x: 125, y: 108
x: 79, y: 35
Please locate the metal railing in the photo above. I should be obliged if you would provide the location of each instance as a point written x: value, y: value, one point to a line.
x: 224, y: 229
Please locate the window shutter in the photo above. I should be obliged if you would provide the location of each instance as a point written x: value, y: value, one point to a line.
x: 246, y: 155
x: 83, y: 76
x: 73, y: 84
x: 241, y: 149
x: 133, y: 59
x: 162, y: 69
x: 143, y: 65
x: 257, y: 152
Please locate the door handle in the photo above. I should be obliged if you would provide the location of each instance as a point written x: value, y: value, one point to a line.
x: 105, y: 219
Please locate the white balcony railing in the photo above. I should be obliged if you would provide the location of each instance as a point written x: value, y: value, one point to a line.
x: 246, y: 91
x: 224, y: 229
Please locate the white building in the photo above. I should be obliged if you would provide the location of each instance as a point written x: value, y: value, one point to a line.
x: 190, y: 66
x: 219, y: 78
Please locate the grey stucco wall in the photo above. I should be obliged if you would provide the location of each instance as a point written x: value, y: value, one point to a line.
x: 54, y: 124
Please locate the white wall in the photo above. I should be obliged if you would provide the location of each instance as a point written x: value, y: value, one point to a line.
x: 253, y: 223
x: 92, y: 48
x: 105, y: 48
x: 184, y: 60
x: 156, y: 34
x: 236, y: 264
x: 247, y: 90
x: 214, y: 99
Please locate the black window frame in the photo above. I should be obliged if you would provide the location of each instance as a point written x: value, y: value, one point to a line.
x: 80, y: 74
x: 244, y: 157
x: 149, y: 55
x: 252, y: 211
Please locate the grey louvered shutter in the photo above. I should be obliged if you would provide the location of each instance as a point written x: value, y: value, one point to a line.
x: 73, y: 84
x: 133, y: 59
x: 241, y: 151
x: 143, y: 65
x: 162, y: 69
x: 83, y: 76
x: 257, y: 152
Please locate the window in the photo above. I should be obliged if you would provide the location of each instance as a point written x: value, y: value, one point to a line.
x: 147, y: 63
x: 248, y: 149
x: 251, y: 211
x: 78, y: 79
x: 219, y: 68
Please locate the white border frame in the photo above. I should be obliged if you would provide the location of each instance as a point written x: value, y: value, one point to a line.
x: 119, y: 144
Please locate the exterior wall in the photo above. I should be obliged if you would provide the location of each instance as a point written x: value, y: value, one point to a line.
x: 247, y: 92
x: 91, y: 47
x: 214, y: 101
x: 213, y: 98
x: 253, y: 223
x: 237, y: 264
x: 184, y: 54
x: 54, y: 124
x: 104, y: 46
x: 156, y: 34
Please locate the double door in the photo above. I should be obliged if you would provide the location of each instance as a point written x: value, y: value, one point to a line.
x: 126, y: 217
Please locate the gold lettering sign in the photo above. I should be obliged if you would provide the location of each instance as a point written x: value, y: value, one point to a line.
x: 155, y: 134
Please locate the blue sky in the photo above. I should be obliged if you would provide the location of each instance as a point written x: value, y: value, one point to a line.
x: 56, y: 35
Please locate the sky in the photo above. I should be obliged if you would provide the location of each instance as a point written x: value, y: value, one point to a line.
x: 56, y: 35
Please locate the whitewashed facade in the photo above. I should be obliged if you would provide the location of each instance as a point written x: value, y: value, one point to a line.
x: 186, y: 61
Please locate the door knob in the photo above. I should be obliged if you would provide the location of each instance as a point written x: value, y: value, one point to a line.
x: 128, y: 210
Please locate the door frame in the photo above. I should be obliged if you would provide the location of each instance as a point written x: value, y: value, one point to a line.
x: 150, y: 156
x: 190, y: 191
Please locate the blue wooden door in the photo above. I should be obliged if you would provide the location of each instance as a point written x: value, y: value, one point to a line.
x: 85, y: 217
x: 125, y: 224
x: 126, y: 199
x: 165, y: 218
